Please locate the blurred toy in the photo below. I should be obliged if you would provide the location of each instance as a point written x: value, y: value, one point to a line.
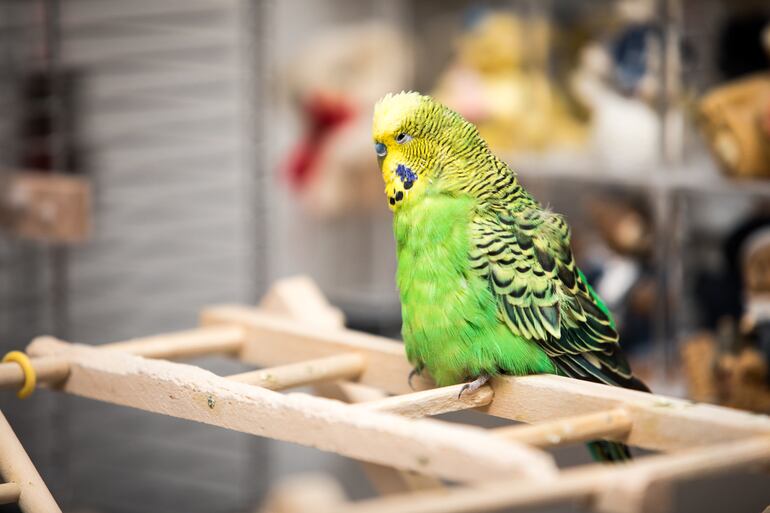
x: 335, y: 82
x: 498, y: 81
x: 621, y: 268
x: 735, y: 118
x: 625, y: 131
x: 736, y: 379
x: 732, y: 366
x: 46, y: 206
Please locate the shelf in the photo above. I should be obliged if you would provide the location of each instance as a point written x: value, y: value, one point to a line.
x: 700, y: 176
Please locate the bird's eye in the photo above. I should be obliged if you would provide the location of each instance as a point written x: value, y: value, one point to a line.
x: 403, y: 138
x: 380, y: 149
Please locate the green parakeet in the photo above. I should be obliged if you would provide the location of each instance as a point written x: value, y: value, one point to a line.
x: 487, y: 279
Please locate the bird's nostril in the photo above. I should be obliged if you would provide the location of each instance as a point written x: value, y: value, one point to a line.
x: 380, y: 149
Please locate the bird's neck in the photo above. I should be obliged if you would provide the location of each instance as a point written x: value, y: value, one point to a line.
x: 485, y: 177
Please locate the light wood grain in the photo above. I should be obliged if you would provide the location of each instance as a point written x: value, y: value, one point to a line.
x: 16, y: 467
x: 47, y: 370
x: 431, y: 402
x: 179, y: 345
x: 609, y: 425
x: 454, y: 452
x: 304, y: 493
x: 184, y: 344
x: 341, y: 366
x: 301, y: 300
x: 659, y: 422
x: 628, y: 488
x: 9, y: 493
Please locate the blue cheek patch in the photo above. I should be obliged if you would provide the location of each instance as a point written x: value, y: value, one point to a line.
x: 406, y: 175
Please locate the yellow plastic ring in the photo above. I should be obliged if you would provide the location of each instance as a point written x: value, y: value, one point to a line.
x: 30, y: 378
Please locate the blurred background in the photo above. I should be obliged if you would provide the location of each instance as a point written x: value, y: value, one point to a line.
x: 159, y: 156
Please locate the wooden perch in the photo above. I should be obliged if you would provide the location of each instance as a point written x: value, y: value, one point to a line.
x: 611, y: 488
x: 183, y: 344
x: 609, y: 425
x: 25, y: 484
x: 431, y: 402
x: 500, y: 468
x: 301, y: 300
x: 659, y: 423
x: 458, y: 453
x: 9, y: 493
x: 341, y: 366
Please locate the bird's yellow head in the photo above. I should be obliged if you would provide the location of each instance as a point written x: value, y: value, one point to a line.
x: 416, y: 138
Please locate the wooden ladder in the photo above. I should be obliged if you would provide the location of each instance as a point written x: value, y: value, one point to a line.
x: 370, y: 413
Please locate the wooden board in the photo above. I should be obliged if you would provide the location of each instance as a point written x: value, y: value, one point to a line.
x: 659, y: 422
x: 454, y: 452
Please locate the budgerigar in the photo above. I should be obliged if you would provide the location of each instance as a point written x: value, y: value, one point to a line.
x: 487, y: 279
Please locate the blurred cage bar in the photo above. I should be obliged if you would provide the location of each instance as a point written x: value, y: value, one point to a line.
x: 152, y: 101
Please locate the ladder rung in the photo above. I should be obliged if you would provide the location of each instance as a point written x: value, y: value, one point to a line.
x: 431, y: 402
x: 340, y: 366
x: 612, y: 424
x: 9, y: 493
x: 184, y: 344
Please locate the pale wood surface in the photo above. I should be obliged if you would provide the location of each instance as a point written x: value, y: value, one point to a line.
x: 610, y: 425
x: 341, y: 366
x: 386, y: 480
x: 659, y: 422
x: 16, y: 467
x: 610, y: 488
x: 47, y: 370
x: 454, y: 452
x: 431, y: 402
x: 303, y: 494
x: 184, y: 344
x: 9, y: 493
x: 300, y: 299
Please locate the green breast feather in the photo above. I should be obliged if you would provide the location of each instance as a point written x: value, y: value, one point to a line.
x: 451, y: 323
x: 488, y: 291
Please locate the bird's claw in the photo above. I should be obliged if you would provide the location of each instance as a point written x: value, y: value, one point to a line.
x: 417, y: 371
x: 473, y: 385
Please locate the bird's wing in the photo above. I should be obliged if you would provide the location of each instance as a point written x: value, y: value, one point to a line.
x: 542, y: 296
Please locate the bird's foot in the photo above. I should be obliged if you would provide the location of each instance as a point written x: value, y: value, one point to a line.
x: 474, y: 385
x: 417, y: 371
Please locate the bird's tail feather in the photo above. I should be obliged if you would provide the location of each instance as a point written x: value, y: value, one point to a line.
x: 609, y: 451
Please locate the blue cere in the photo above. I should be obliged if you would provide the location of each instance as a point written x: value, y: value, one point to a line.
x: 405, y: 174
x: 380, y: 149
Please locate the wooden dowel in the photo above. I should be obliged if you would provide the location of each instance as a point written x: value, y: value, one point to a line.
x: 646, y: 482
x: 660, y: 423
x: 496, y: 495
x: 16, y: 467
x: 431, y: 402
x: 342, y: 366
x: 386, y: 480
x: 9, y: 493
x: 612, y: 424
x: 185, y: 344
x: 49, y: 369
x: 611, y: 488
x: 460, y: 453
x: 303, y: 493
